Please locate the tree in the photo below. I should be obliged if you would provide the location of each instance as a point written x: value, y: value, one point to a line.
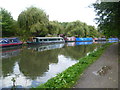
x: 79, y: 29
x: 7, y: 23
x: 33, y: 21
x: 93, y: 32
x: 55, y: 28
x: 109, y: 18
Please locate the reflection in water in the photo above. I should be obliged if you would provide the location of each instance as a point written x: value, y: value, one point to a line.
x: 10, y: 52
x: 20, y: 79
x: 70, y: 44
x: 55, y: 68
x: 46, y: 47
x: 78, y: 43
x: 36, y: 64
x: 102, y: 42
x: 112, y: 41
x: 83, y: 43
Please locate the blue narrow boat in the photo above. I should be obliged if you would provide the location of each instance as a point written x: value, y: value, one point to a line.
x: 84, y: 39
x: 113, y: 39
x: 7, y: 42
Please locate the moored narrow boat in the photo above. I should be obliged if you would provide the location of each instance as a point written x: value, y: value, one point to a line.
x: 99, y: 39
x: 113, y: 39
x: 46, y: 40
x: 84, y: 39
x: 7, y: 42
x: 70, y: 39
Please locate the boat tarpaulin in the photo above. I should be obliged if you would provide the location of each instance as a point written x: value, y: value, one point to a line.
x: 84, y: 39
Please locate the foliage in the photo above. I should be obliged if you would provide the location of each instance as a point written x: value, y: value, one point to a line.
x: 67, y: 78
x: 33, y: 21
x: 79, y: 29
x: 109, y: 18
x: 93, y: 32
x: 54, y: 28
x: 7, y: 23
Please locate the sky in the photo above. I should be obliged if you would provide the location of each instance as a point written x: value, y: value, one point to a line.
x: 60, y: 10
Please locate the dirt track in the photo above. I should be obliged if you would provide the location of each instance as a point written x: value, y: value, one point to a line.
x: 103, y: 73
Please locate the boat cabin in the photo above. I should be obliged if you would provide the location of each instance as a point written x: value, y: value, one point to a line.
x: 9, y: 41
x: 47, y: 40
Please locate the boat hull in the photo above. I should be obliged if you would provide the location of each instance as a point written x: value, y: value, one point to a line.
x: 10, y: 45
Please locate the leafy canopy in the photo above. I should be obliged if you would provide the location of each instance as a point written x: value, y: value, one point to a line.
x: 109, y: 18
x: 7, y: 23
x: 34, y: 21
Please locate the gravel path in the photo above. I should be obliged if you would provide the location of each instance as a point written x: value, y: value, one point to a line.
x: 103, y: 73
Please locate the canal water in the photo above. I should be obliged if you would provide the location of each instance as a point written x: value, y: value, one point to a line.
x: 30, y: 66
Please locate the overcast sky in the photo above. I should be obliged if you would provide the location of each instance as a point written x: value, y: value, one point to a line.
x: 60, y: 10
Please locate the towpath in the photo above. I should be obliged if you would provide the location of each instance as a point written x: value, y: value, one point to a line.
x: 103, y: 73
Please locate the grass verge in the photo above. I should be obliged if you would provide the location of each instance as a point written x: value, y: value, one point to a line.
x: 68, y: 78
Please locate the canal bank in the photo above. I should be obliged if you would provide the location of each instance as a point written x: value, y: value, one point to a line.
x: 103, y: 73
x: 68, y: 78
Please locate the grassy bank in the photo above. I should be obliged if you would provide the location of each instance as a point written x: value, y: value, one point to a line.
x: 68, y: 78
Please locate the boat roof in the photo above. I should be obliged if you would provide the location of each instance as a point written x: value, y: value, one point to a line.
x: 9, y: 38
x: 47, y: 37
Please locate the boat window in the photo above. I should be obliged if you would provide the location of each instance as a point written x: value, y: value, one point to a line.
x: 37, y: 40
x: 61, y: 39
x: 40, y: 39
x: 45, y: 39
x: 50, y: 39
x: 3, y: 41
x: 11, y: 41
x: 15, y: 40
x: 54, y: 39
x: 34, y: 40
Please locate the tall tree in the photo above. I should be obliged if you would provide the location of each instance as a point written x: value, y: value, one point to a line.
x: 109, y: 18
x: 93, y: 32
x: 55, y: 28
x: 33, y: 21
x: 86, y: 29
x: 7, y: 23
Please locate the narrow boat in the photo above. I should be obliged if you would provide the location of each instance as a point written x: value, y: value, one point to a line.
x: 46, y: 40
x: 70, y: 39
x: 99, y: 39
x: 84, y: 39
x: 113, y: 39
x: 7, y: 42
